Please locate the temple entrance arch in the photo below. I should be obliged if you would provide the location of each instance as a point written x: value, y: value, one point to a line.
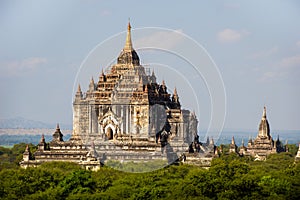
x: 109, y: 125
x: 109, y: 133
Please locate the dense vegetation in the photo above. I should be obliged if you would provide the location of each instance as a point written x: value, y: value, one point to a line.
x: 230, y: 177
x: 10, y: 157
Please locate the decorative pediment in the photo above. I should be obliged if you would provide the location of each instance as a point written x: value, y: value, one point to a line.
x: 109, y: 118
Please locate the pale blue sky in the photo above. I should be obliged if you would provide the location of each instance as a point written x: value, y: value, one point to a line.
x: 255, y: 44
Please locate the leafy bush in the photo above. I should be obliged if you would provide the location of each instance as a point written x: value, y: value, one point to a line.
x: 229, y: 177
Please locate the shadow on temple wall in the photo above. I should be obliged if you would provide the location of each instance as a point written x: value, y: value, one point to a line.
x: 162, y: 136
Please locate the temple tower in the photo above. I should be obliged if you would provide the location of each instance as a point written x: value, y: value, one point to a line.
x: 26, y: 154
x: 57, y: 135
x: 263, y: 144
x: 264, y: 128
x: 232, y: 146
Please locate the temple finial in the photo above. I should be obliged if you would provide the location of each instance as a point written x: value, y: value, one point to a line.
x: 57, y: 126
x: 27, y: 148
x: 42, y: 139
x: 128, y: 26
x: 92, y: 85
x: 175, y: 92
x: 265, y: 112
x: 128, y: 44
x: 79, y: 88
x: 232, y: 140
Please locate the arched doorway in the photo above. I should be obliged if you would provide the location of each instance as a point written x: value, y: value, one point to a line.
x: 109, y: 133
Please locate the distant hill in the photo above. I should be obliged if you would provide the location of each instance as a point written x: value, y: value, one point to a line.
x: 20, y: 122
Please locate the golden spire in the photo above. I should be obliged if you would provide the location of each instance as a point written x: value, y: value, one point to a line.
x: 128, y: 44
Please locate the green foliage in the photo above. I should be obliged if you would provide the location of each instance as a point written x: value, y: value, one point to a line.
x: 10, y: 157
x: 65, y: 167
x: 229, y: 177
x: 136, y: 166
x: 293, y: 148
x: 225, y: 148
x: 77, y: 182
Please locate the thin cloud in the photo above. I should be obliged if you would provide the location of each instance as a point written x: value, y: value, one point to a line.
x: 229, y: 35
x: 161, y: 39
x: 265, y: 53
x: 232, y: 6
x: 22, y: 67
x: 272, y: 76
x: 291, y: 61
x: 105, y: 12
x: 298, y: 43
x: 286, y: 67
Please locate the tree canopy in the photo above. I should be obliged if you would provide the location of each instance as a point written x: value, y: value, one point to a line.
x: 229, y: 177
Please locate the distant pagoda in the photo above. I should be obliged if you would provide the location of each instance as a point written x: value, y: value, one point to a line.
x: 263, y: 144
